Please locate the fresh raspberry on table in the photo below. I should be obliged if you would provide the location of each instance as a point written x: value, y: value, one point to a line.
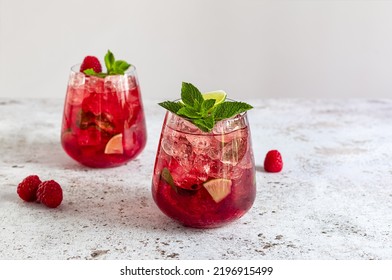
x: 273, y: 161
x: 91, y: 62
x: 50, y: 193
x: 27, y: 189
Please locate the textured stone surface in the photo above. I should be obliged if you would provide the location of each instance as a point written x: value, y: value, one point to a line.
x: 333, y: 199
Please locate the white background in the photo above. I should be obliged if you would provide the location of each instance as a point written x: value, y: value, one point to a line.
x: 250, y: 48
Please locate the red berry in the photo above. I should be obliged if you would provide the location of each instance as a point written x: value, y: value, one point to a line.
x: 273, y: 161
x: 91, y: 62
x: 50, y: 193
x: 27, y: 189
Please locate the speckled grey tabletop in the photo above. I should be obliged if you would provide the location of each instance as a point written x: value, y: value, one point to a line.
x: 333, y: 199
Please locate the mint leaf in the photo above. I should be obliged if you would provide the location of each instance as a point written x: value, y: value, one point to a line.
x: 119, y: 67
x: 191, y: 96
x: 165, y: 174
x: 227, y: 110
x: 113, y: 66
x: 171, y: 106
x: 205, y: 124
x: 206, y: 106
x: 91, y: 72
x: 189, y: 112
x: 109, y: 60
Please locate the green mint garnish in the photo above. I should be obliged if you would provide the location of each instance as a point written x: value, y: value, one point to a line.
x: 203, y: 113
x: 91, y: 72
x: 229, y: 109
x: 113, y: 67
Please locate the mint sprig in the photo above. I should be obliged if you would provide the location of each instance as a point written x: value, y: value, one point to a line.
x: 203, y: 113
x: 113, y: 67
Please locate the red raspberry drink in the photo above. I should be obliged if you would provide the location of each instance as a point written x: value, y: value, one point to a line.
x: 204, y: 179
x: 103, y: 121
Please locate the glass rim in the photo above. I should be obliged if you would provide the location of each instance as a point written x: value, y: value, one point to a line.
x: 75, y: 69
x: 242, y: 115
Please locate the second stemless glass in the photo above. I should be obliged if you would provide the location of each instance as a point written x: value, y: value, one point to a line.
x: 204, y: 180
x: 103, y: 121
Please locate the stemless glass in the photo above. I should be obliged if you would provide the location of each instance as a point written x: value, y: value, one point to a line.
x: 103, y: 121
x: 204, y: 180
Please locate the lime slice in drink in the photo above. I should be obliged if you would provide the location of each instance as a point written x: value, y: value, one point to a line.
x: 218, y: 188
x: 115, y: 145
x: 218, y: 95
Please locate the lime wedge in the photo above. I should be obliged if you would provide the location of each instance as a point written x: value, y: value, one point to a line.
x: 218, y: 188
x: 218, y: 95
x: 114, y: 145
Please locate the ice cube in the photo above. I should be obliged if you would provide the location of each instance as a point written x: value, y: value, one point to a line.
x: 234, y: 150
x: 215, y: 149
x: 94, y: 84
x: 230, y: 125
x: 132, y: 81
x: 200, y: 143
x: 201, y: 167
x: 75, y: 96
x: 180, y: 124
x: 183, y: 153
x: 167, y: 146
x: 116, y: 83
x: 177, y: 146
x: 76, y: 79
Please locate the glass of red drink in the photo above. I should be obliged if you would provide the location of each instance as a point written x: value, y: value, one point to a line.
x: 204, y: 179
x: 103, y: 121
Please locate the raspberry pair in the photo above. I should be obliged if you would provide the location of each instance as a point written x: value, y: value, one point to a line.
x: 48, y: 193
